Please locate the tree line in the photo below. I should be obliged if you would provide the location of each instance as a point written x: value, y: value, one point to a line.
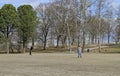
x: 60, y: 23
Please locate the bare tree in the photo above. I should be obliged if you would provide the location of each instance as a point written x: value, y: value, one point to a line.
x: 109, y: 22
x: 100, y: 10
x: 116, y: 35
x: 92, y: 28
x: 44, y: 24
x: 85, y: 5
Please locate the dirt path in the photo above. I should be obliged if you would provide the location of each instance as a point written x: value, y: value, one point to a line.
x: 56, y: 64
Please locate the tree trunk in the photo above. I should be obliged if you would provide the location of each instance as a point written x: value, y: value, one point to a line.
x: 95, y: 39
x: 24, y: 46
x: 92, y: 39
x: 7, y: 43
x: 108, y: 38
x: 33, y: 42
x: 44, y: 46
x: 45, y: 42
x: 72, y: 41
x: 63, y: 42
x: 7, y: 46
x: 89, y: 39
x: 99, y: 44
x: 102, y: 39
x: 51, y: 44
x: 58, y: 38
x: 83, y: 46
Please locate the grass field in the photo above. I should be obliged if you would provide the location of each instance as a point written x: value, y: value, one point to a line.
x: 112, y: 50
x: 59, y: 64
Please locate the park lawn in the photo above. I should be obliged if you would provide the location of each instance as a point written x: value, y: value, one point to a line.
x: 59, y: 64
x: 111, y: 50
x: 51, y: 50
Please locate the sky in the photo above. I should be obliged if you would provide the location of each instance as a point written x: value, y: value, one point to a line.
x: 115, y: 3
x: 17, y: 3
x: 35, y: 3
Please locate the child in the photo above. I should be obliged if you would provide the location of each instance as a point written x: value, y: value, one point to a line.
x: 79, y: 52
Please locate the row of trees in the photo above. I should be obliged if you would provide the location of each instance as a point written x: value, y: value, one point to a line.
x: 78, y: 22
x: 21, y: 21
x: 60, y: 22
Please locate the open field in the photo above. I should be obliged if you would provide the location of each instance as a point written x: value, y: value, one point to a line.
x: 111, y: 50
x: 59, y: 64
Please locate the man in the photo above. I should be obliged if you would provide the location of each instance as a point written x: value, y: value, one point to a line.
x: 79, y: 52
x: 31, y: 48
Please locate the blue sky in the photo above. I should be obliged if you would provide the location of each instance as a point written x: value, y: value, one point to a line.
x: 115, y: 3
x: 17, y: 3
x: 35, y: 3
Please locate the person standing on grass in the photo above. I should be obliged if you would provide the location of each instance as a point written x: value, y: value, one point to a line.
x: 79, y: 52
x: 31, y: 48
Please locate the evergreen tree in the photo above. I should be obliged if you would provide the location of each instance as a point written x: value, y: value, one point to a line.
x: 10, y: 20
x: 2, y: 26
x: 28, y: 21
